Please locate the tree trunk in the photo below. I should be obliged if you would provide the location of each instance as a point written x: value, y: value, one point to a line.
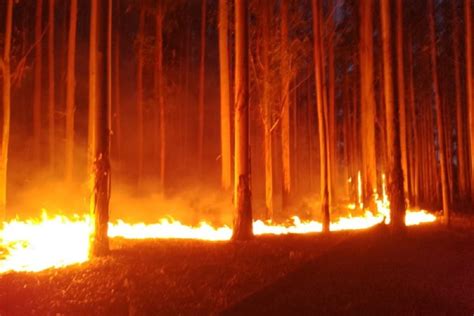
x: 100, y: 128
x: 332, y: 124
x: 368, y: 117
x: 401, y: 96
x: 392, y: 101
x: 470, y: 83
x: 6, y: 97
x: 266, y: 106
x: 225, y: 95
x: 117, y: 131
x: 439, y: 116
x: 242, y: 194
x: 159, y: 91
x: 413, y: 129
x: 462, y: 173
x: 51, y: 98
x: 37, y: 82
x: 70, y: 91
x: 140, y: 124
x: 202, y: 86
x: 321, y: 110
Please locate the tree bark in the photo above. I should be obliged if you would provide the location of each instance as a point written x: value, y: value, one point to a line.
x: 202, y: 86
x: 392, y: 101
x: 267, y: 111
x: 37, y: 89
x: 439, y: 116
x: 159, y: 92
x: 70, y: 92
x: 51, y: 92
x: 6, y: 98
x: 368, y: 115
x: 224, y: 95
x: 242, y: 194
x: 285, y: 101
x: 140, y: 115
x: 117, y: 131
x: 321, y: 110
x: 470, y: 83
x: 100, y: 128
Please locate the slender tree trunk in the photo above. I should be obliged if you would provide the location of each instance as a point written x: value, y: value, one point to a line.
x: 100, y: 128
x: 202, y: 85
x: 415, y: 152
x: 368, y: 105
x: 401, y: 96
x: 462, y: 173
x: 37, y: 82
x: 225, y: 95
x: 242, y: 194
x: 159, y: 91
x: 266, y: 106
x: 470, y: 83
x: 70, y: 91
x: 439, y: 116
x: 140, y: 123
x: 285, y: 99
x: 93, y: 80
x: 321, y: 110
x: 117, y: 131
x: 51, y: 93
x: 332, y: 124
x: 6, y: 98
x: 392, y: 101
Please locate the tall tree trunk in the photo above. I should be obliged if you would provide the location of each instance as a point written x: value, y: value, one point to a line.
x: 140, y: 123
x: 159, y: 91
x: 462, y: 173
x: 100, y: 127
x: 6, y: 98
x: 470, y: 83
x: 285, y: 101
x: 117, y: 131
x: 70, y: 91
x: 267, y: 111
x: 392, y: 101
x: 332, y: 124
x: 242, y: 194
x: 401, y: 96
x: 202, y: 86
x: 413, y: 129
x: 321, y: 110
x: 368, y: 104
x: 37, y: 82
x: 51, y: 93
x: 439, y: 115
x: 225, y: 95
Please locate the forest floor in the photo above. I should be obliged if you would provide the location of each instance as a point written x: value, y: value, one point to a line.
x: 429, y: 270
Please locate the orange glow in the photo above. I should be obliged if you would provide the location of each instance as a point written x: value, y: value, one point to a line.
x: 57, y: 241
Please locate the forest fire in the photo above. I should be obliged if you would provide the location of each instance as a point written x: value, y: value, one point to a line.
x: 57, y: 241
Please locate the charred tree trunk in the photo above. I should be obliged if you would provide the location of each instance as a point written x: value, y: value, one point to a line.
x: 140, y: 114
x: 285, y: 102
x: 415, y: 150
x: 6, y: 98
x: 51, y: 92
x: 159, y: 93
x: 202, y: 86
x: 267, y: 111
x: 332, y: 124
x: 37, y: 82
x: 70, y: 91
x: 470, y: 83
x: 321, y: 110
x: 242, y: 194
x: 100, y: 128
x: 117, y: 130
x: 368, y: 113
x: 439, y: 116
x: 392, y: 101
x: 225, y: 95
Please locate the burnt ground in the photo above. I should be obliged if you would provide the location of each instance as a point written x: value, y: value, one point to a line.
x: 429, y: 270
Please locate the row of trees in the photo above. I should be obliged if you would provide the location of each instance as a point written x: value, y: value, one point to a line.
x: 346, y: 87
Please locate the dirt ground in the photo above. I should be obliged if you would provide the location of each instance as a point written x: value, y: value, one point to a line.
x: 427, y: 271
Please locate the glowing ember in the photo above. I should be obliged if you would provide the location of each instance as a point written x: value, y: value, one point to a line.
x: 58, y: 241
